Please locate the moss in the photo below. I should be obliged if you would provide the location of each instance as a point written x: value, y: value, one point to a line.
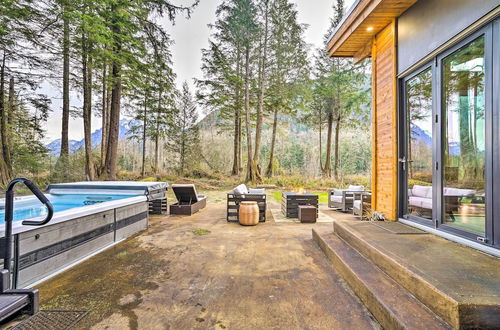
x: 200, y: 232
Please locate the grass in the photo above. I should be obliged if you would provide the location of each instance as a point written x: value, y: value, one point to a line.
x: 323, y: 196
x: 200, y: 232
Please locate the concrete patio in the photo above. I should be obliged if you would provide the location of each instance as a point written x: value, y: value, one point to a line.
x: 232, y: 277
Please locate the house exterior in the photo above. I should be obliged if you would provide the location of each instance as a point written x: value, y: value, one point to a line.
x: 435, y: 111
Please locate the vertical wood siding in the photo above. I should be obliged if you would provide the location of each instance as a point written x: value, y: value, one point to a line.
x: 384, y: 122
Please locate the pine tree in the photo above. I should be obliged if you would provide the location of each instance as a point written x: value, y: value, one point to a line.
x: 223, y: 87
x: 19, y: 21
x: 184, y: 133
x: 289, y: 70
x: 339, y: 90
x: 127, y: 48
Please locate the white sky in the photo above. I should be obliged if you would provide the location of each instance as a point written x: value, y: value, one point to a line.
x: 190, y: 37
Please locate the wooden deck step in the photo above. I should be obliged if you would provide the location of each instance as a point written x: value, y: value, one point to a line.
x: 392, y: 305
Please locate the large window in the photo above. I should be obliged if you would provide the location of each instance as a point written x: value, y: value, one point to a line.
x: 463, y: 102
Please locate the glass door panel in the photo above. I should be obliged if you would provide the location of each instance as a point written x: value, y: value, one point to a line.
x: 418, y: 160
x: 464, y: 139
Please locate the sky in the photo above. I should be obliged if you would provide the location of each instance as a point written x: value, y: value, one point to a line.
x: 190, y: 36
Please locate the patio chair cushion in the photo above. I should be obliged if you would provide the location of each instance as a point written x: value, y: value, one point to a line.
x: 337, y: 192
x: 338, y: 199
x: 356, y: 188
x: 421, y: 191
x: 459, y: 192
x: 422, y: 202
x: 357, y: 204
x: 185, y: 193
x: 241, y: 190
x: 257, y: 191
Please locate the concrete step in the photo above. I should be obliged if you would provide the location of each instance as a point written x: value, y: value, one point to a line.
x: 392, y: 305
x: 457, y: 283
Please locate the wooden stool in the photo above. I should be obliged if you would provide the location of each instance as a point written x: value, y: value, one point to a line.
x: 307, y: 214
x: 248, y: 214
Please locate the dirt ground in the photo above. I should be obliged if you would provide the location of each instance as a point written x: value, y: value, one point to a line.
x: 224, y: 276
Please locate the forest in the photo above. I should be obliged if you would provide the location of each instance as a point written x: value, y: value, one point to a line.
x: 268, y: 104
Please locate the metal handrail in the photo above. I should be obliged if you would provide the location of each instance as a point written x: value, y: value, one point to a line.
x: 9, y: 214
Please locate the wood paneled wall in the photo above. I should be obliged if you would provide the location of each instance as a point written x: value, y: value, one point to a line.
x: 384, y: 122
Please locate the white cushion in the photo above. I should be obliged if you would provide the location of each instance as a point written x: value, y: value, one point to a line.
x: 337, y: 192
x: 427, y: 203
x: 422, y: 191
x: 241, y: 190
x: 458, y: 192
x: 357, y: 204
x: 422, y: 202
x: 337, y: 199
x: 257, y: 191
x: 356, y: 188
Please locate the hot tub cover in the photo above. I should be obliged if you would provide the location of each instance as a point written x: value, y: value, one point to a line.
x: 153, y: 190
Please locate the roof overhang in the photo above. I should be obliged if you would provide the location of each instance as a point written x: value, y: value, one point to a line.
x: 365, y: 19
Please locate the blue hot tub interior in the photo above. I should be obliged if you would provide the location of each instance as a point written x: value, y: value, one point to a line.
x: 25, y: 209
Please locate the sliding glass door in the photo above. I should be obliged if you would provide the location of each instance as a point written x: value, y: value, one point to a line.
x: 449, y: 151
x: 464, y: 138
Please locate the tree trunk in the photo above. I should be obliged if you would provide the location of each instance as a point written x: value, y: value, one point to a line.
x: 236, y: 166
x: 320, y: 140
x: 115, y: 107
x: 10, y: 117
x: 250, y: 177
x: 260, y: 109
x: 183, y: 151
x: 3, y: 119
x: 114, y: 123
x: 5, y: 169
x: 327, y: 170
x: 104, y: 118
x: 87, y: 111
x: 65, y: 108
x: 157, y: 134
x: 240, y: 144
x: 336, y: 151
x: 237, y: 121
x: 270, y: 167
x: 145, y: 123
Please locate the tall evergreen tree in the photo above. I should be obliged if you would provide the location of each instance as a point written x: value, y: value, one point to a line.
x: 19, y: 21
x: 340, y: 89
x: 289, y: 69
x: 184, y: 133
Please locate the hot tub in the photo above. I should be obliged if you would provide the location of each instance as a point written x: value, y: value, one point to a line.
x: 83, y: 224
x: 155, y: 192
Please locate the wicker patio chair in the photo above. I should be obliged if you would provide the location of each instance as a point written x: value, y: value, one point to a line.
x: 362, y: 204
x: 243, y: 194
x: 342, y: 199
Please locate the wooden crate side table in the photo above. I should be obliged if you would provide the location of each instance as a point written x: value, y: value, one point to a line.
x: 307, y: 214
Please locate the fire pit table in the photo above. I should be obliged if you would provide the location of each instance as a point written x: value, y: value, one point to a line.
x: 290, y: 202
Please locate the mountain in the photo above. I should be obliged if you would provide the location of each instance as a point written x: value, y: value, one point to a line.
x: 125, y: 126
x: 421, y: 135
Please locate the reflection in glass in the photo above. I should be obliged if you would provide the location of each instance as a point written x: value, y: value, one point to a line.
x: 464, y: 138
x: 419, y: 135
